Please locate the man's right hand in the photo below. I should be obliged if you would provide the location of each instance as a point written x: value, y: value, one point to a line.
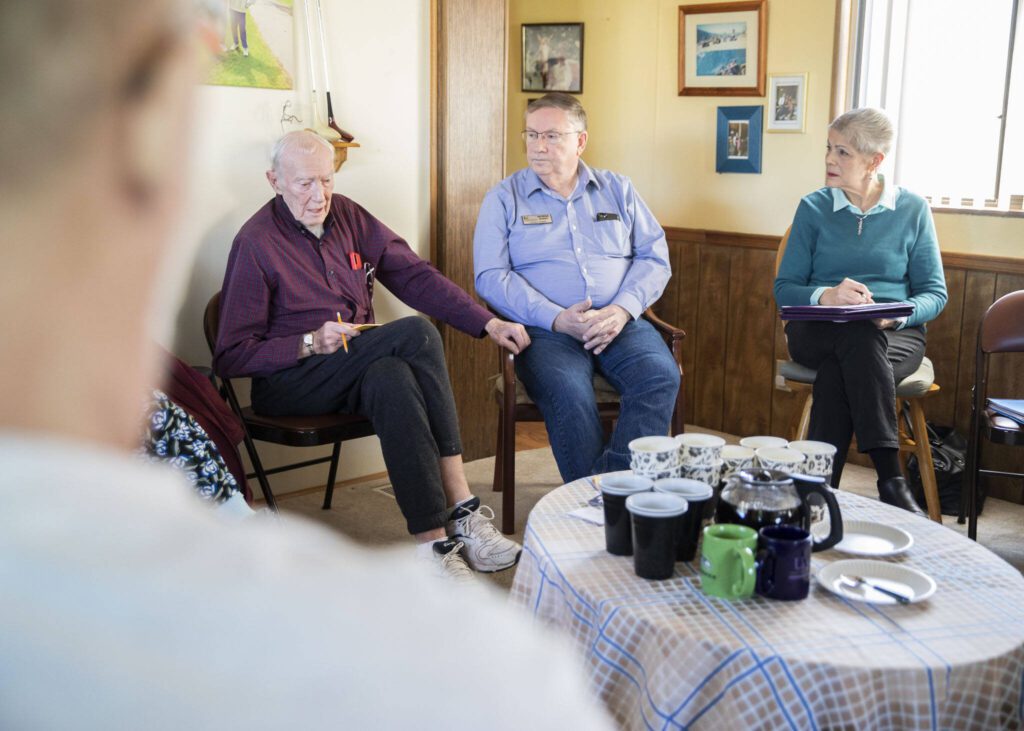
x: 327, y: 339
x: 847, y: 292
x: 573, y: 320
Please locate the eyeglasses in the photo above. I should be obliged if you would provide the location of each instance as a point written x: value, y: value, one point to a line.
x: 552, y: 138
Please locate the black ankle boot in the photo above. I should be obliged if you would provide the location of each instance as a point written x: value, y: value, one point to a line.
x: 896, y: 491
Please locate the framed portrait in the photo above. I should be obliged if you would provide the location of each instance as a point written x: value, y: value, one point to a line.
x: 722, y: 49
x: 553, y: 57
x: 738, y: 142
x: 787, y: 103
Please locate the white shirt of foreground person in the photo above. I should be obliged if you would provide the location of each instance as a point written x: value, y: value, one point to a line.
x: 125, y: 604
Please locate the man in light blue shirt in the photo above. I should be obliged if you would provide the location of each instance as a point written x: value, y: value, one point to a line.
x: 575, y: 255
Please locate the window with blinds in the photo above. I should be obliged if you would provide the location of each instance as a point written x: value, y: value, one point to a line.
x: 951, y: 74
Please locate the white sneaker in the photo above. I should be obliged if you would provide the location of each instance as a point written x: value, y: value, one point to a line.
x: 487, y: 550
x: 446, y: 560
x: 245, y: 52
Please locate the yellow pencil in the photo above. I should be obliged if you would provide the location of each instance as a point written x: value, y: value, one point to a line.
x: 344, y: 340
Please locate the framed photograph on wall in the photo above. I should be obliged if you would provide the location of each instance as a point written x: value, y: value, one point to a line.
x: 738, y: 142
x: 722, y: 49
x: 787, y: 103
x: 553, y: 57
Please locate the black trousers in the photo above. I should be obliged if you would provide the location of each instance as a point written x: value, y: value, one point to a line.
x: 395, y: 375
x: 855, y: 392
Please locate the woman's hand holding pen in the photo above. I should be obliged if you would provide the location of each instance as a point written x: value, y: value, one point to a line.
x: 847, y: 292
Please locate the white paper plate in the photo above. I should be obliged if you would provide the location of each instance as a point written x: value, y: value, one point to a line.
x: 864, y: 538
x: 907, y: 581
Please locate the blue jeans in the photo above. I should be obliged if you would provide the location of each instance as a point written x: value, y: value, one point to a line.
x: 557, y: 373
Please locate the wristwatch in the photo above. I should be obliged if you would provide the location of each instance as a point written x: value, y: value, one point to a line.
x: 307, y: 340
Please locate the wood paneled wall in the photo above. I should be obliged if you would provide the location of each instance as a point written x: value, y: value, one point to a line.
x: 467, y: 159
x: 721, y: 294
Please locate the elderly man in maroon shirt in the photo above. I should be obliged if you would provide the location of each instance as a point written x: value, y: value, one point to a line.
x: 308, y: 259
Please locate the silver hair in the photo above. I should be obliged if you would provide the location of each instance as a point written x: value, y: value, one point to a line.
x: 566, y: 102
x: 868, y: 130
x: 305, y: 141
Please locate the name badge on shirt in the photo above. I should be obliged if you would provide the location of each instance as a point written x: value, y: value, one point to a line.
x: 534, y: 220
x: 607, y: 216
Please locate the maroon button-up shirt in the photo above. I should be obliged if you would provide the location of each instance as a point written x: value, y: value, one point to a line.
x: 282, y: 282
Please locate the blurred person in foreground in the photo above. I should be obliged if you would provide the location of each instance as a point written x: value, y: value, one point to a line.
x: 860, y: 240
x: 126, y: 604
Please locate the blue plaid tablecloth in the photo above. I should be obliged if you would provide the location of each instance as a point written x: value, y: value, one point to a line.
x: 662, y: 655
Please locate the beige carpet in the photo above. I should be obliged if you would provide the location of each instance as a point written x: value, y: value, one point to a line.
x: 367, y: 512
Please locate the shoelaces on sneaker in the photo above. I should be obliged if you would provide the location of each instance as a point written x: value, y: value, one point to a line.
x: 477, y: 524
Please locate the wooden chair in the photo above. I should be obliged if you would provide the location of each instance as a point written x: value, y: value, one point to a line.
x: 911, y: 391
x: 1001, y: 331
x: 291, y: 431
x: 515, y: 405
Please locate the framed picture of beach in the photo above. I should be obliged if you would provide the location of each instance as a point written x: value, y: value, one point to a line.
x: 553, y: 57
x: 722, y: 49
x: 787, y: 102
x: 738, y: 142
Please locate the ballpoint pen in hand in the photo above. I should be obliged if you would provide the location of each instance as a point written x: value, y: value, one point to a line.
x: 344, y: 340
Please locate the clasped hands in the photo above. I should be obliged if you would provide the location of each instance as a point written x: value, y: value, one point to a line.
x: 851, y: 292
x: 594, y: 328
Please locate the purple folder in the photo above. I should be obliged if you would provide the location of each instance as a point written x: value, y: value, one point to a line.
x: 847, y: 313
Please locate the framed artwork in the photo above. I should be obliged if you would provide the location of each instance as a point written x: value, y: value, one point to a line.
x: 553, y: 57
x: 257, y: 48
x: 738, y: 142
x: 787, y: 103
x: 722, y: 49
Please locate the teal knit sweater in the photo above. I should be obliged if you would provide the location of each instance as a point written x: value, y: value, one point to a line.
x: 896, y: 255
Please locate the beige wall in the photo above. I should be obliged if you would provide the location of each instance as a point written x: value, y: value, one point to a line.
x: 641, y: 127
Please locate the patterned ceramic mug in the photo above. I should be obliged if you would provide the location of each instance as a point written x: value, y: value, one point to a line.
x: 820, y: 457
x: 708, y: 474
x: 700, y: 449
x: 654, y: 457
x: 785, y: 460
x: 735, y: 458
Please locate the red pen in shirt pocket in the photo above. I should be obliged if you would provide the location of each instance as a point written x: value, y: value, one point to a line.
x: 355, y: 260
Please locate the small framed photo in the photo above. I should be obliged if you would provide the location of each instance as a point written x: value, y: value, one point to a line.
x: 553, y: 57
x: 787, y: 103
x: 738, y: 142
x: 722, y: 49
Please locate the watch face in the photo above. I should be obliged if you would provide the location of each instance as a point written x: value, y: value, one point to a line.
x: 308, y: 340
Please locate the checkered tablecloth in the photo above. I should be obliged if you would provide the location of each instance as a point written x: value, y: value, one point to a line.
x: 662, y: 655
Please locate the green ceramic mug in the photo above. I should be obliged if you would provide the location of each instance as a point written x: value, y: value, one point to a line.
x: 727, y: 567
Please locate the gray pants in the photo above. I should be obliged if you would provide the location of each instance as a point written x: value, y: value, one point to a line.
x: 395, y: 375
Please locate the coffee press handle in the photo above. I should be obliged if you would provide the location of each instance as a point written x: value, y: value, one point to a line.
x: 805, y: 486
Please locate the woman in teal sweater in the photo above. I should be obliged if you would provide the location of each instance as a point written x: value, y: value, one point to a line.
x: 856, y: 241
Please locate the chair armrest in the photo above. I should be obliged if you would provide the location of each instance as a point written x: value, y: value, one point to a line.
x: 673, y: 335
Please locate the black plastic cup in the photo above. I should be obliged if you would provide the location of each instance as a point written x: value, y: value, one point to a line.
x: 614, y: 491
x: 698, y: 496
x: 655, y: 518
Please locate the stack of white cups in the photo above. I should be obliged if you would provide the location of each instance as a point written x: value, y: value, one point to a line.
x: 701, y: 457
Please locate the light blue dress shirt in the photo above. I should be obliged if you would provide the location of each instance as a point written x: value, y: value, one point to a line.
x: 536, y: 253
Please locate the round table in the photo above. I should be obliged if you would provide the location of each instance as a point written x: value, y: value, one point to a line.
x: 662, y: 655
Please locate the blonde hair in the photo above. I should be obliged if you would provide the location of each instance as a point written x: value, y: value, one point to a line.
x: 868, y: 130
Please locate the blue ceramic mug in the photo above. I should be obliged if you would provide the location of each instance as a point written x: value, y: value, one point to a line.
x: 784, y: 553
